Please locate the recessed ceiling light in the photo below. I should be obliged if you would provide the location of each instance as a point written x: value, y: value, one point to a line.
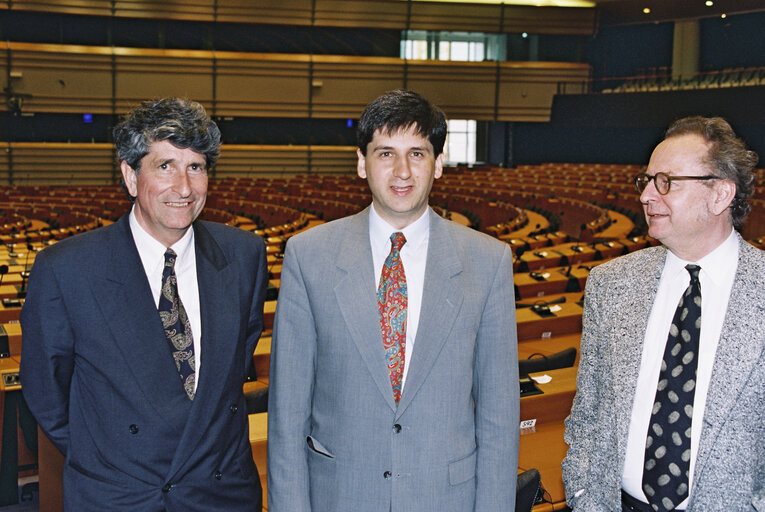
x: 538, y: 3
x: 709, y: 3
x: 647, y: 10
x: 723, y: 15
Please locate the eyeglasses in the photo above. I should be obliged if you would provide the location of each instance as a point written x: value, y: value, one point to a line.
x: 663, y: 181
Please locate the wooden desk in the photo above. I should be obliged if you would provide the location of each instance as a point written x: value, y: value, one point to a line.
x: 9, y: 291
x: 10, y: 314
x: 262, y: 357
x: 555, y: 281
x: 269, y: 309
x: 13, y: 331
x: 542, y: 446
x: 258, y: 443
x: 567, y: 319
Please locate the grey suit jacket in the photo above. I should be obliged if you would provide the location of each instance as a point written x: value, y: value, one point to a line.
x: 730, y: 464
x: 336, y: 441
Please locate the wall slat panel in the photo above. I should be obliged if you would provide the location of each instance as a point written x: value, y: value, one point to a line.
x: 255, y: 86
x: 385, y: 14
x: 95, y: 164
x: 342, y: 87
x: 73, y: 79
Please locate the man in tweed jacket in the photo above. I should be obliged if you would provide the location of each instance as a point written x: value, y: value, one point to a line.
x: 625, y: 330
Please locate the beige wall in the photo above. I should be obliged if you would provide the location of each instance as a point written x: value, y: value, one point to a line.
x: 390, y: 14
x: 95, y: 164
x: 102, y: 80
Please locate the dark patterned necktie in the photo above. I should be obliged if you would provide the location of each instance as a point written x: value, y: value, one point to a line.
x: 177, y: 326
x: 668, y: 444
x: 392, y: 304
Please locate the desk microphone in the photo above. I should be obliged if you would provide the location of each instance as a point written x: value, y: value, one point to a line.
x: 25, y: 272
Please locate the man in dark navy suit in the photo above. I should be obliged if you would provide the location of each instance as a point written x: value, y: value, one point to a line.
x: 138, y: 336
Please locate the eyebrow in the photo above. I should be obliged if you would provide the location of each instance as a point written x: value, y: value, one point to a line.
x: 391, y: 148
x: 201, y: 163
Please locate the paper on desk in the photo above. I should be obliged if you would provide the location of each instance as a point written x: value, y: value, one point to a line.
x: 542, y: 379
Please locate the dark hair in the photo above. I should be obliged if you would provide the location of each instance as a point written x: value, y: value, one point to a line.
x: 183, y: 123
x: 401, y: 109
x: 728, y: 158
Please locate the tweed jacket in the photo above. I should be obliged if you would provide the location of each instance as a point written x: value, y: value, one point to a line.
x: 730, y: 463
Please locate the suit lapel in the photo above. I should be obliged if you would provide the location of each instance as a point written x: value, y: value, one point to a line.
x: 627, y: 350
x: 441, y: 302
x: 131, y: 316
x: 219, y: 307
x: 739, y: 349
x: 356, y: 297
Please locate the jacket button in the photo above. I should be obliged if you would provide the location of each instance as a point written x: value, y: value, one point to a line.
x: 387, y: 475
x: 133, y: 429
x: 396, y: 428
x: 234, y: 408
x: 218, y: 475
x: 167, y: 487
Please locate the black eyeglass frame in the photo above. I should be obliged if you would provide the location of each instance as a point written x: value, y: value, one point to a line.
x: 648, y: 178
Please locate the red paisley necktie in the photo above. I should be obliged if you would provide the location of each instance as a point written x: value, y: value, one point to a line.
x: 392, y: 304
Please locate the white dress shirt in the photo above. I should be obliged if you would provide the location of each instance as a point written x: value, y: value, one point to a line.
x: 152, y: 255
x: 718, y: 270
x: 414, y: 255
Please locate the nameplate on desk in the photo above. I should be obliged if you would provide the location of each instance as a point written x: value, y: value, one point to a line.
x: 525, y: 424
x: 12, y: 303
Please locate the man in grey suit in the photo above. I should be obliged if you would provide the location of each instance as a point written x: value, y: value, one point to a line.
x: 419, y: 413
x: 626, y: 451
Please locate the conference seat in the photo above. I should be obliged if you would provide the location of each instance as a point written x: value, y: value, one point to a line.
x: 542, y: 363
x: 529, y: 485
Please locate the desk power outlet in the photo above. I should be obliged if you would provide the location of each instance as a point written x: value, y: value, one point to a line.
x: 11, y: 379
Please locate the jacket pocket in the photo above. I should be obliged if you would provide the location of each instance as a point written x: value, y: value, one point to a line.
x: 462, y: 470
x: 317, y: 447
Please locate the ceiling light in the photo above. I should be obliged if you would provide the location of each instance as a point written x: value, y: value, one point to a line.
x: 538, y: 3
x: 709, y: 3
x: 646, y: 10
x: 723, y: 15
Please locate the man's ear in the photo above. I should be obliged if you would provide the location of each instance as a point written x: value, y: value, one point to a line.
x: 724, y: 193
x: 439, y: 171
x: 130, y: 177
x: 361, y: 166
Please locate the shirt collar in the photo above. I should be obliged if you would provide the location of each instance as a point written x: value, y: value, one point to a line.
x: 415, y: 233
x: 152, y: 251
x: 718, y: 265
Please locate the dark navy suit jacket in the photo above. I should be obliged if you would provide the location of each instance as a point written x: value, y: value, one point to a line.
x: 97, y: 373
